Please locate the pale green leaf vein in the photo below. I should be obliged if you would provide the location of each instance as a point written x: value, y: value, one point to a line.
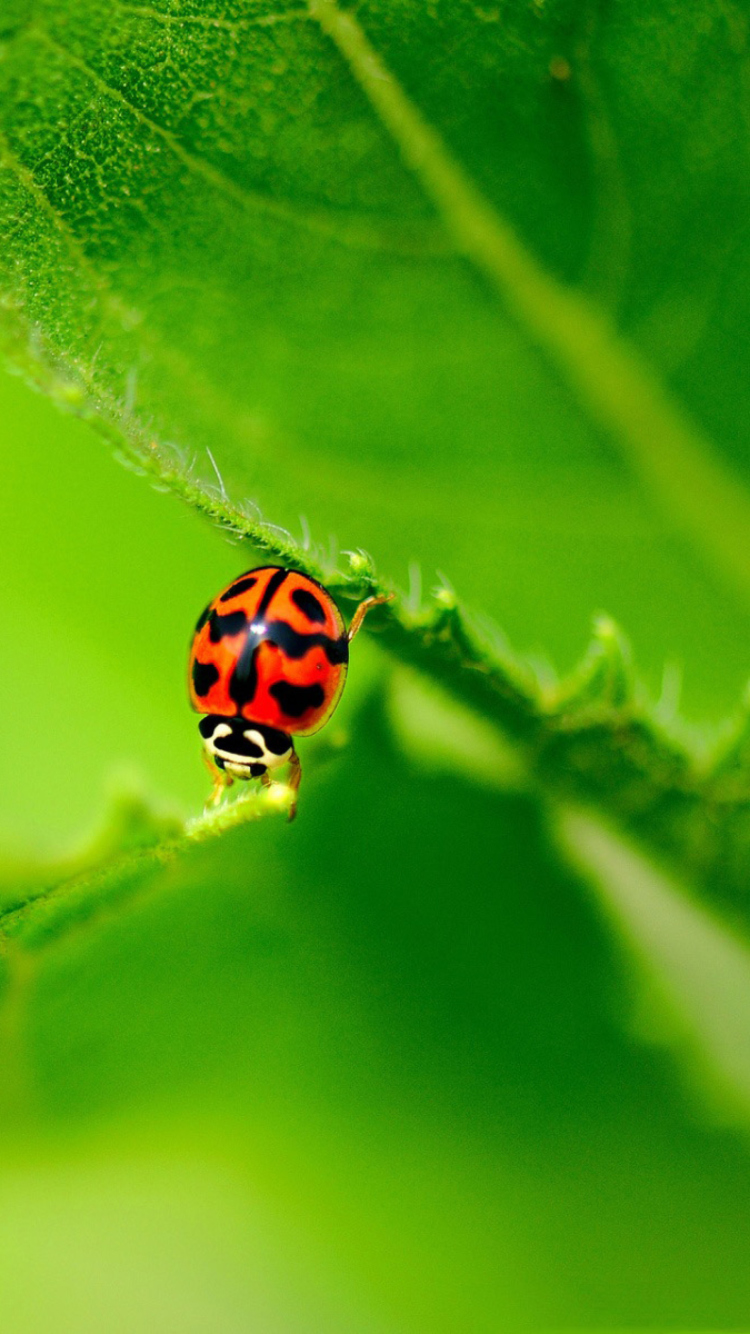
x: 76, y: 250
x: 611, y: 229
x: 195, y: 383
x: 222, y: 24
x: 354, y: 232
x: 697, y: 966
x: 608, y: 375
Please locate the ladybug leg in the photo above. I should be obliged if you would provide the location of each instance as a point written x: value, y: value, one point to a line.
x: 265, y: 779
x: 222, y: 781
x: 362, y: 611
x: 295, y: 778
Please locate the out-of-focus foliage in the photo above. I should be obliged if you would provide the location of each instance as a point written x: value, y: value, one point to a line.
x: 372, y: 1066
x: 448, y: 1053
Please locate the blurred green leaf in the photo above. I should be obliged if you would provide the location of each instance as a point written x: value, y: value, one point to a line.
x: 700, y: 965
x: 398, y: 1025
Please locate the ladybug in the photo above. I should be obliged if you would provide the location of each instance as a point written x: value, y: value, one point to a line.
x: 268, y: 662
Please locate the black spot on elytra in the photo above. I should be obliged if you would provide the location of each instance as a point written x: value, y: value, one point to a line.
x: 202, y: 619
x: 309, y: 606
x: 296, y: 700
x: 295, y: 644
x: 243, y: 682
x: 272, y: 586
x: 205, y: 675
x: 225, y: 626
x: 241, y: 586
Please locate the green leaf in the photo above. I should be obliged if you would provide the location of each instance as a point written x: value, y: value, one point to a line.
x: 465, y: 284
x: 699, y: 965
x: 178, y: 160
x: 269, y: 1072
x: 407, y: 272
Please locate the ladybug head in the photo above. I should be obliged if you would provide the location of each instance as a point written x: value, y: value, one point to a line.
x: 243, y: 748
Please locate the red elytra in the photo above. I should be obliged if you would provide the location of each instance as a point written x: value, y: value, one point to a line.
x: 270, y: 651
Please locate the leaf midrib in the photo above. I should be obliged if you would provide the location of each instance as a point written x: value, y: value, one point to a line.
x: 607, y: 375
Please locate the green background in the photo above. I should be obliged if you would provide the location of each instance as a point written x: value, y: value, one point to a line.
x: 404, y: 1066
x: 371, y: 1071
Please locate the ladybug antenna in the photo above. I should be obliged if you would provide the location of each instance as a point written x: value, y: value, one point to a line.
x: 363, y: 609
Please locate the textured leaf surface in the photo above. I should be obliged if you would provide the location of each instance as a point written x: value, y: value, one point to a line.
x: 217, y: 236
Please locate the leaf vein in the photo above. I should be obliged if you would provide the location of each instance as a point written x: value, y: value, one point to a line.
x: 356, y: 233
x: 204, y: 21
x: 27, y: 178
x: 608, y: 376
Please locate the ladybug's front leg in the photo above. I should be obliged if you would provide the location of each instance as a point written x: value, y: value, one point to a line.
x: 222, y: 780
x: 362, y: 611
x: 295, y: 778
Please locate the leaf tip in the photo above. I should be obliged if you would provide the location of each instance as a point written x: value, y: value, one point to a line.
x: 605, y: 676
